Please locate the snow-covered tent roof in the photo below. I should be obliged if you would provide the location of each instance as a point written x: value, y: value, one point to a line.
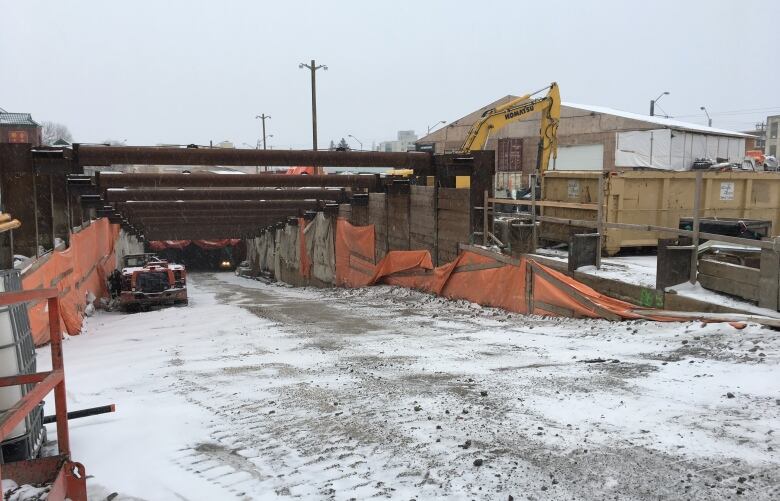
x: 666, y: 123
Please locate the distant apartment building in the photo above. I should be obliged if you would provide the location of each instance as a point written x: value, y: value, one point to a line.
x: 405, y: 142
x: 772, y: 136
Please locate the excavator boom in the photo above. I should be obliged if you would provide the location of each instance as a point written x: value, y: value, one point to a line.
x: 519, y: 109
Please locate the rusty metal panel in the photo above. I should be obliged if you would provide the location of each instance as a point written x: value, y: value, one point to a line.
x: 510, y: 155
x: 422, y: 222
x: 377, y: 215
x: 453, y: 222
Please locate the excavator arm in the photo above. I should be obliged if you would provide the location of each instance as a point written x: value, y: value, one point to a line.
x: 520, y: 109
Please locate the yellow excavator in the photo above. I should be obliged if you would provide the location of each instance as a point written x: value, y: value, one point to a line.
x: 520, y: 109
x: 516, y: 110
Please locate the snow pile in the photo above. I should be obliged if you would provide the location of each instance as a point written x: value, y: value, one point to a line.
x: 13, y: 492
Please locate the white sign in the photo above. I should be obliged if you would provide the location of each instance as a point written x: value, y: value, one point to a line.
x: 727, y: 191
x: 574, y: 189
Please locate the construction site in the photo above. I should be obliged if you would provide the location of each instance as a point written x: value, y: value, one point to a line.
x: 539, y: 300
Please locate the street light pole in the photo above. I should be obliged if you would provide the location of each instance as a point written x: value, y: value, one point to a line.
x: 434, y: 125
x: 358, y: 141
x: 313, y: 68
x: 709, y: 120
x: 653, y: 101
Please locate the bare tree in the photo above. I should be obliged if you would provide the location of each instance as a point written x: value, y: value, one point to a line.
x: 52, y: 132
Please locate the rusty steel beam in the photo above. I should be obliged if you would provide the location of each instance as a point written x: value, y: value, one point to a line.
x: 208, y: 213
x: 168, y: 194
x: 207, y: 221
x: 220, y: 204
x: 150, y: 155
x: 106, y: 180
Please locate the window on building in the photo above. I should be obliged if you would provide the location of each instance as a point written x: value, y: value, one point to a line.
x: 773, y: 130
x: 773, y: 150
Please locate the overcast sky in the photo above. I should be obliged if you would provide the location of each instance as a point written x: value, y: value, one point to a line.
x: 184, y: 72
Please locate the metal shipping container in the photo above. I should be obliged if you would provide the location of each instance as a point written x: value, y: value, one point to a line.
x: 659, y: 199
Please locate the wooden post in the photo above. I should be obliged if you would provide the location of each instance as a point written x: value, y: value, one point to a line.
x: 696, y: 211
x: 436, y: 220
x: 485, y: 218
x: 533, y: 180
x: 600, y: 221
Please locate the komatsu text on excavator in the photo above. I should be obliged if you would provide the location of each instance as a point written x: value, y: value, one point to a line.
x: 520, y: 109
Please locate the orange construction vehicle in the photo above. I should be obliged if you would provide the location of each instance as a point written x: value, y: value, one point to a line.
x: 147, y: 281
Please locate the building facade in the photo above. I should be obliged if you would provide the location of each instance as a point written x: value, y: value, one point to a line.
x: 19, y: 128
x: 405, y: 142
x: 772, y: 145
x: 595, y: 138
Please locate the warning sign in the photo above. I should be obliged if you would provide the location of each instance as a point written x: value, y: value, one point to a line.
x: 727, y: 191
x: 574, y: 189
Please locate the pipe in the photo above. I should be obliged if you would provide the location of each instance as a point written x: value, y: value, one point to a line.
x: 92, y: 411
x: 167, y: 194
x: 219, y: 204
x: 107, y: 180
x: 149, y: 155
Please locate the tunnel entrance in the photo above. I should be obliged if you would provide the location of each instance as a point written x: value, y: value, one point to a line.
x: 201, y: 255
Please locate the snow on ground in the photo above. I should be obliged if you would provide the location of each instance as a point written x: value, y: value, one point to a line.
x: 637, y: 270
x: 698, y: 292
x: 258, y: 391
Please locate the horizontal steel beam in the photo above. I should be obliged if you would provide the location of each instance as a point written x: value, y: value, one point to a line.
x: 206, y: 221
x: 216, y: 214
x: 166, y: 194
x: 219, y: 204
x: 150, y: 155
x: 107, y: 180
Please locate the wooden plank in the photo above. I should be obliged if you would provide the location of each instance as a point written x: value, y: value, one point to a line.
x: 544, y: 203
x: 728, y: 286
x: 729, y: 271
x: 714, y: 317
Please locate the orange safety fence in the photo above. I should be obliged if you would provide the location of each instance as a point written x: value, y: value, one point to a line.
x: 80, y: 269
x: 354, y: 254
x: 480, y: 276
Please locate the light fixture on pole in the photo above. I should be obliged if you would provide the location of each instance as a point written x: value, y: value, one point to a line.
x: 358, y: 141
x: 653, y: 101
x: 264, y: 117
x: 709, y: 120
x: 434, y: 125
x: 313, y: 69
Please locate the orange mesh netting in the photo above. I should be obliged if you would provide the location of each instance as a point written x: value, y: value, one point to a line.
x: 80, y: 269
x: 479, y: 276
x: 158, y: 245
x: 354, y: 254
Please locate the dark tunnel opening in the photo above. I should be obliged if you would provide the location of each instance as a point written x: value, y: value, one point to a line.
x: 196, y: 258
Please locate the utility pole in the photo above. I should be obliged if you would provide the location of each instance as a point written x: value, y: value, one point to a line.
x: 264, y: 117
x: 313, y: 69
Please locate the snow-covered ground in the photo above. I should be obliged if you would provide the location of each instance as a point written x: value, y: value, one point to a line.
x: 632, y: 269
x: 259, y: 391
